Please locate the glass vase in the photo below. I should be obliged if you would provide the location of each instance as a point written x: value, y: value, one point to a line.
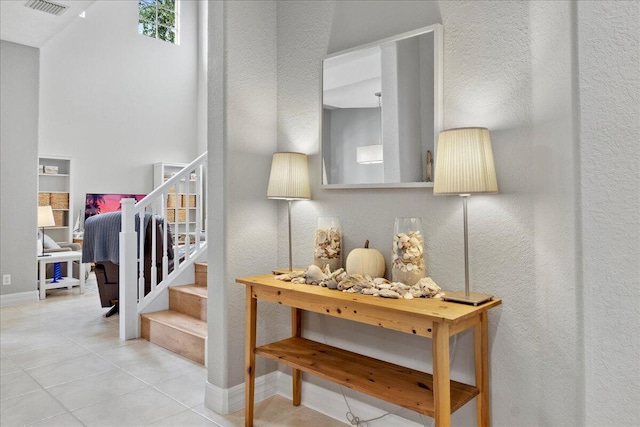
x: 327, y: 243
x: 407, y: 255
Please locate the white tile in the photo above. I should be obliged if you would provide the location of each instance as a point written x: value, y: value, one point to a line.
x: 48, y: 355
x: 16, y: 384
x: 70, y: 369
x: 63, y: 420
x: 185, y: 419
x: 94, y: 389
x: 305, y: 417
x: 186, y: 389
x: 29, y: 408
x: 137, y: 408
x: 7, y: 366
x: 222, y: 420
x: 135, y: 350
x: 17, y: 340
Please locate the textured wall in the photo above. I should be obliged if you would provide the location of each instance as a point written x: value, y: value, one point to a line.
x: 118, y: 101
x: 609, y: 61
x: 508, y: 66
x: 556, y: 355
x: 18, y: 159
x: 243, y: 234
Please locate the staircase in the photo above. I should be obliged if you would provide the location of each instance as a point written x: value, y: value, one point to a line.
x: 183, y: 327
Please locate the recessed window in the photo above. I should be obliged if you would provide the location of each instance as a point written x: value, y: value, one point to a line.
x: 159, y: 19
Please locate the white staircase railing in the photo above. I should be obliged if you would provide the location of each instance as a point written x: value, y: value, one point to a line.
x: 178, y: 210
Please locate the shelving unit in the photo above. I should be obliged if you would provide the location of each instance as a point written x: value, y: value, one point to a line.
x: 55, y: 190
x: 182, y: 201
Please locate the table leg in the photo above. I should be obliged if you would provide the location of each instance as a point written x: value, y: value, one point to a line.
x: 70, y: 272
x: 249, y: 356
x: 43, y: 279
x: 296, y: 331
x: 481, y: 356
x: 441, y: 375
x: 82, y: 273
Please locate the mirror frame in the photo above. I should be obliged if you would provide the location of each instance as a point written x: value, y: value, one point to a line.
x: 438, y: 119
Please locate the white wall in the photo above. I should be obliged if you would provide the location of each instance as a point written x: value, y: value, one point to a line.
x: 557, y: 357
x: 609, y: 65
x: 18, y: 159
x: 510, y: 66
x: 118, y: 101
x: 242, y: 138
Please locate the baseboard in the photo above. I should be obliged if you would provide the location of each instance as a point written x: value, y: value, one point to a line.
x: 227, y: 401
x: 331, y: 404
x: 19, y: 298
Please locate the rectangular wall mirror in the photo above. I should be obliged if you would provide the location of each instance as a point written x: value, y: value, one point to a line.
x: 382, y: 111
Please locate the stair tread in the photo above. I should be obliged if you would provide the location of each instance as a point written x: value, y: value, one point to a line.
x: 179, y: 321
x: 198, y: 290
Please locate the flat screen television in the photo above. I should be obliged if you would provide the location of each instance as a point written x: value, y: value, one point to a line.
x: 97, y: 203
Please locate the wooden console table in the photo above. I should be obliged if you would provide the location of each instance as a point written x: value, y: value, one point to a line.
x: 434, y: 395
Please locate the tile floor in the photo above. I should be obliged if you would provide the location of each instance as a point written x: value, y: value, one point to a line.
x: 62, y: 364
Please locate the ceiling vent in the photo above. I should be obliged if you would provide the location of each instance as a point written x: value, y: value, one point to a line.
x: 47, y: 6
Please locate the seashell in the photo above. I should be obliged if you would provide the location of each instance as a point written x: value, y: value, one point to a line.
x: 299, y: 280
x: 321, y: 237
x: 287, y: 277
x: 428, y: 287
x: 380, y: 280
x: 408, y: 295
x: 336, y: 273
x: 314, y: 275
x: 384, y: 286
x: 331, y: 284
x: 369, y: 291
x: 352, y: 280
x: 388, y: 293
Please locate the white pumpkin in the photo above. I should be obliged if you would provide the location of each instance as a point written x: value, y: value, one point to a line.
x: 366, y: 261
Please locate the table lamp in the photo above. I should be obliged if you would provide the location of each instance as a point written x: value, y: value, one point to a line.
x: 45, y: 219
x: 464, y: 166
x: 289, y: 180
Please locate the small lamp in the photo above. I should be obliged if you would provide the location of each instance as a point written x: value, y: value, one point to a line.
x: 45, y: 219
x: 464, y: 165
x: 289, y: 180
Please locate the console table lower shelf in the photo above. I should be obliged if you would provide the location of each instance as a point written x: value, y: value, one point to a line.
x: 396, y: 384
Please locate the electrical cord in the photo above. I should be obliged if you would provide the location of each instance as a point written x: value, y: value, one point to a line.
x: 353, y: 419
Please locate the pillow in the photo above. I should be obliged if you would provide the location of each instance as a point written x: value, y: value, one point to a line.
x: 49, y: 243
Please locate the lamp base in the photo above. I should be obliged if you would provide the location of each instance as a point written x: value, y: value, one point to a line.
x: 474, y: 298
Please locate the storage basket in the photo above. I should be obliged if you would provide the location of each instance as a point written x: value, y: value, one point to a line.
x: 58, y: 217
x: 60, y: 200
x: 171, y: 200
x: 44, y: 199
x: 188, y: 200
x: 182, y: 215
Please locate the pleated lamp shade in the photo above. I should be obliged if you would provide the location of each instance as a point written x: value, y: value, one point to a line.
x: 289, y: 178
x: 464, y: 162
